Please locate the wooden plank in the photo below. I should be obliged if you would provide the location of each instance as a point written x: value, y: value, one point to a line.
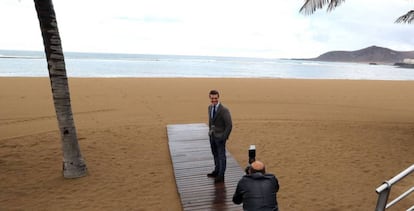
x: 191, y: 157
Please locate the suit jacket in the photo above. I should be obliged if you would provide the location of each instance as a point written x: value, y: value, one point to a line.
x: 222, y: 122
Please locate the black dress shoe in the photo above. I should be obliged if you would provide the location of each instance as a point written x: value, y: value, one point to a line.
x: 212, y: 174
x: 219, y: 179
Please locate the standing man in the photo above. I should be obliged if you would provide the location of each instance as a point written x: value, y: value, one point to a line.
x: 220, y: 126
x: 257, y: 190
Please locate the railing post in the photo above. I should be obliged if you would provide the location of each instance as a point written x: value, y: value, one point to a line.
x: 383, y: 198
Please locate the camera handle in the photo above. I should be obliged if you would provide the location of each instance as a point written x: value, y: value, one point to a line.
x: 252, y: 154
x: 252, y: 157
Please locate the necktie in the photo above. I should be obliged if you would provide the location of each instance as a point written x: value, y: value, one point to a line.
x: 214, y: 111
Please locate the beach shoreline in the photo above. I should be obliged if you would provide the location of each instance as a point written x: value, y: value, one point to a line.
x: 331, y: 143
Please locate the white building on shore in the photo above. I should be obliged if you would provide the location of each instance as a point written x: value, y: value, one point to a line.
x: 408, y: 61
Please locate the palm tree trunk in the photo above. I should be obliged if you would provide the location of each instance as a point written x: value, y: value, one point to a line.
x: 73, y: 163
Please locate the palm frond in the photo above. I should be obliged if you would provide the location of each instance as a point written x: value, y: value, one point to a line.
x: 333, y: 4
x: 407, y: 18
x: 310, y: 6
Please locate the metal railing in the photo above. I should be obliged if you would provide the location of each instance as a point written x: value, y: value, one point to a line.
x: 384, y: 191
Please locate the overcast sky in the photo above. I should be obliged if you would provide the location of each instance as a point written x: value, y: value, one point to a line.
x: 259, y: 28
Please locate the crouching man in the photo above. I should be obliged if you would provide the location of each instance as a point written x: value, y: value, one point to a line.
x: 257, y: 190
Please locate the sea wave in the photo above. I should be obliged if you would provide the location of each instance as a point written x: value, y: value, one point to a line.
x: 19, y: 57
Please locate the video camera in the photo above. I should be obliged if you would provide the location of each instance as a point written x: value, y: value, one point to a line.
x: 252, y: 157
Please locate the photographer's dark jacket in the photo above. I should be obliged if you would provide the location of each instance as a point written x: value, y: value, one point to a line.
x: 257, y: 192
x: 221, y: 121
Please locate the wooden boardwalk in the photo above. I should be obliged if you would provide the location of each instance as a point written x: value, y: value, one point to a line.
x: 192, y: 160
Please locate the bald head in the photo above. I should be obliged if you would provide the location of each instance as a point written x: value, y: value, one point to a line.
x: 257, y: 166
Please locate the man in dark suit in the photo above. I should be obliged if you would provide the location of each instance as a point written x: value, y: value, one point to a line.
x: 220, y: 126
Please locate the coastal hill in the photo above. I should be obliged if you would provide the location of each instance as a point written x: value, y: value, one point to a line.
x: 373, y: 55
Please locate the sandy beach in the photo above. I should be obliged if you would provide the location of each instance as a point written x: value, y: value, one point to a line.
x: 331, y: 143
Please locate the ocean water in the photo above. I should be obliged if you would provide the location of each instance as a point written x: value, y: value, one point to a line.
x: 33, y: 64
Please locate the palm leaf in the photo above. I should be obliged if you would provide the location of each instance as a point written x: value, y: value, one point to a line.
x: 407, y: 18
x: 310, y: 6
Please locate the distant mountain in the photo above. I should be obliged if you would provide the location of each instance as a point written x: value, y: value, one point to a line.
x: 373, y: 55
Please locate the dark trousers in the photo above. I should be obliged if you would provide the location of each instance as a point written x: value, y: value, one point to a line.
x: 218, y: 148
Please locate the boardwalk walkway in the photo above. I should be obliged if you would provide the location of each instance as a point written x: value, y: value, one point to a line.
x: 192, y: 160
